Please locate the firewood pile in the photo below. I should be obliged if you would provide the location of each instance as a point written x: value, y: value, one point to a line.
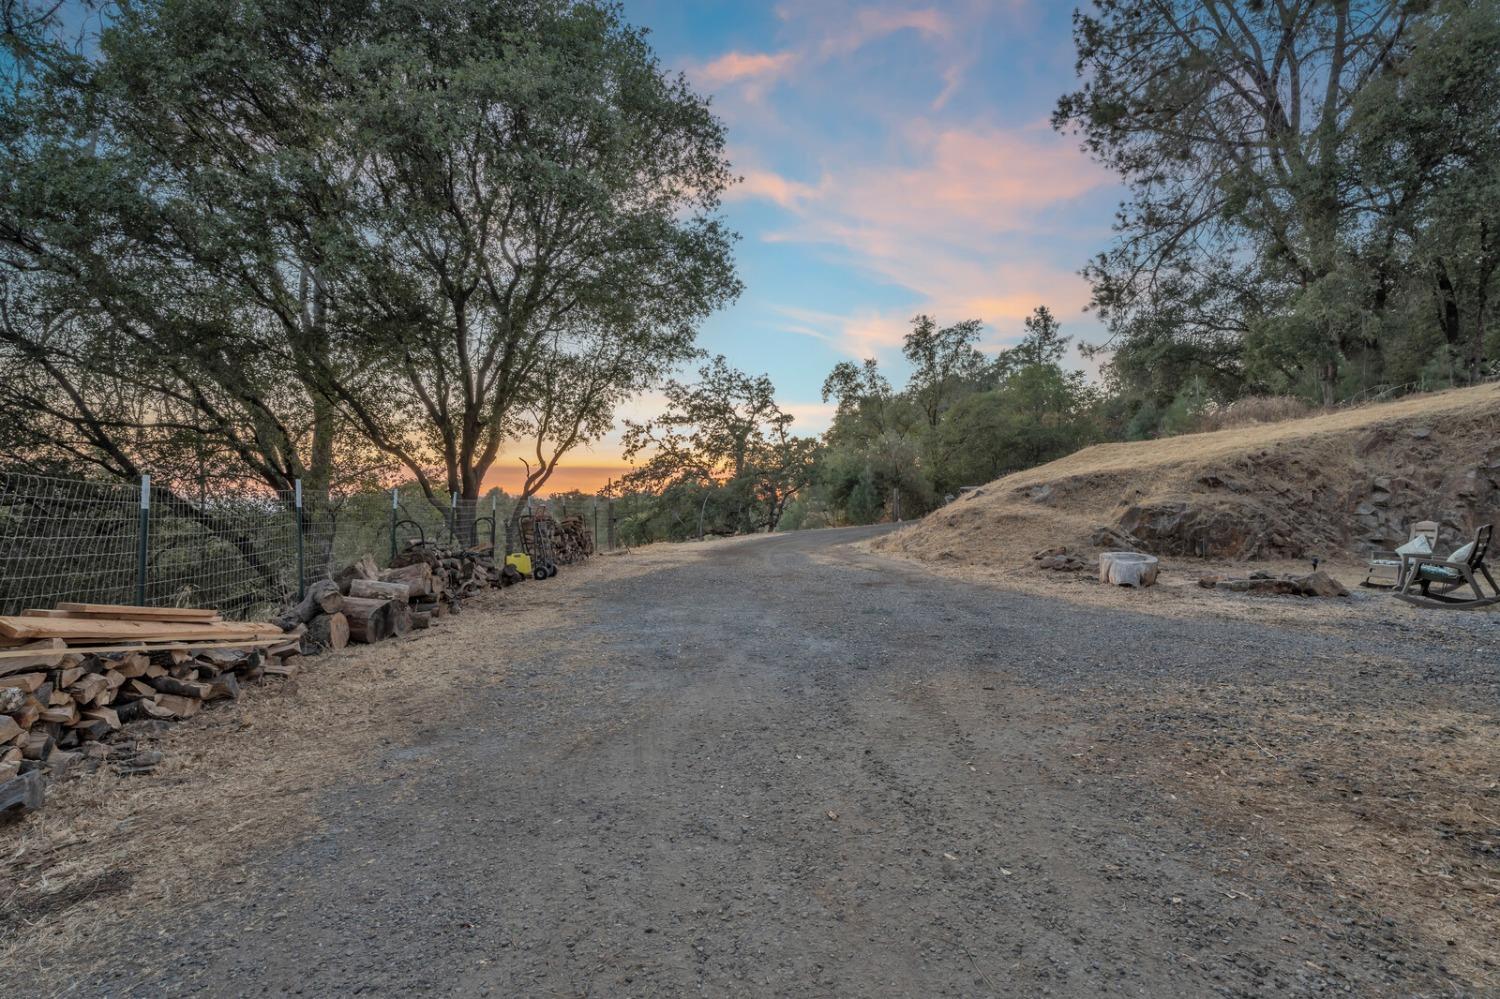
x: 363, y: 603
x: 568, y: 541
x: 80, y: 682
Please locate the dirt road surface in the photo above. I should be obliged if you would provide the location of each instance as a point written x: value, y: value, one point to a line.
x: 787, y: 767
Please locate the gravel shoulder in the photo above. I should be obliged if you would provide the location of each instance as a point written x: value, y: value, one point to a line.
x: 788, y: 766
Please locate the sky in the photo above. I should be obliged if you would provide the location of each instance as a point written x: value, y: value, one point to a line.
x: 897, y: 158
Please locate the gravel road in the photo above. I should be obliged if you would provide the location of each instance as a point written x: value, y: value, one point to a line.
x: 785, y: 767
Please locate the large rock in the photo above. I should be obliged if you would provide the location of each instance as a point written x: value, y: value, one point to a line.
x: 1320, y: 584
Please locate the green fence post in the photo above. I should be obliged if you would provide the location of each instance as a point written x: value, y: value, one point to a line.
x: 395, y: 511
x: 494, y: 517
x: 143, y: 541
x: 453, y: 518
x: 301, y: 556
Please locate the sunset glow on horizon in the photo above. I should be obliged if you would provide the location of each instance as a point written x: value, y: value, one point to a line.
x: 895, y: 158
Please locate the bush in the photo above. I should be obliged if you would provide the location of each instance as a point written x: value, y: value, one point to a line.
x: 1251, y: 410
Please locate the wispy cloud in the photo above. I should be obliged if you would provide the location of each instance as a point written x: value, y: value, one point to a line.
x: 956, y: 227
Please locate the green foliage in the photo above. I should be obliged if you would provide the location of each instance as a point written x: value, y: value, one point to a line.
x: 1286, y: 237
x: 304, y: 231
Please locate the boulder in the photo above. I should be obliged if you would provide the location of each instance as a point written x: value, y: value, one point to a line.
x: 1320, y: 584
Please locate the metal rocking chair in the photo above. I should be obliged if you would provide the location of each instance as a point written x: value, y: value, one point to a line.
x: 1441, y: 581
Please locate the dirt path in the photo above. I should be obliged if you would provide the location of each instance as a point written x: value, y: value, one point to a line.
x: 783, y: 766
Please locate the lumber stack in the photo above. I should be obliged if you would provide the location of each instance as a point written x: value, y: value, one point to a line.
x: 76, y: 679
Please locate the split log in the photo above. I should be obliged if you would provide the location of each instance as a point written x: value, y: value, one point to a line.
x: 27, y: 682
x: 46, y: 653
x: 173, y: 706
x: 421, y: 620
x: 106, y: 715
x: 12, y: 699
x: 20, y: 795
x: 133, y: 665
x: 36, y: 745
x: 224, y: 687
x: 376, y: 589
x: 323, y: 597
x: 65, y: 714
x: 182, y: 688
x: 9, y: 728
x: 365, y: 568
x: 1128, y: 569
x: 329, y: 631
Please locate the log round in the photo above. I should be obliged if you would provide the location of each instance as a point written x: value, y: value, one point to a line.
x: 331, y: 631
x: 399, y: 616
x: 1128, y: 569
x: 369, y: 620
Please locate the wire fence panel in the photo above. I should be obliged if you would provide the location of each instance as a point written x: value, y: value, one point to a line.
x: 67, y: 539
x: 241, y: 548
x: 235, y: 550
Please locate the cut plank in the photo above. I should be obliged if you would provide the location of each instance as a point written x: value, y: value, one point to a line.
x: 147, y: 613
x: 108, y: 630
x: 139, y: 646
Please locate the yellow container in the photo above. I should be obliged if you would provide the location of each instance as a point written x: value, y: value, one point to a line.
x: 521, y: 561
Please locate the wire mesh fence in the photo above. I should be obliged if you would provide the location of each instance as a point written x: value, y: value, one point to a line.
x: 243, y: 549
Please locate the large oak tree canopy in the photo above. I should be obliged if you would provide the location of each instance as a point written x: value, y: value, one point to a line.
x: 426, y: 216
x: 1282, y: 232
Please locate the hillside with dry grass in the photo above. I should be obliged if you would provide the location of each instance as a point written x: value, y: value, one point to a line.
x: 1332, y: 485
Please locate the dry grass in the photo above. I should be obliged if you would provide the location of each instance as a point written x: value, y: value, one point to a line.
x: 1189, y: 449
x: 1264, y: 490
x: 1378, y: 795
x: 1255, y: 409
x: 239, y: 776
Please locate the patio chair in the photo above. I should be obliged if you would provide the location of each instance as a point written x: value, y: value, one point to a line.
x: 1441, y: 580
x: 1385, y: 567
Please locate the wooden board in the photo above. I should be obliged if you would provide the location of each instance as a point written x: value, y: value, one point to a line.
x: 107, y: 630
x: 143, y: 646
x: 144, y: 613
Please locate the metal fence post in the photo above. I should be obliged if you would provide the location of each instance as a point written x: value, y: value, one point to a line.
x: 395, y: 512
x: 143, y: 541
x: 494, y: 517
x: 453, y: 518
x: 301, y: 556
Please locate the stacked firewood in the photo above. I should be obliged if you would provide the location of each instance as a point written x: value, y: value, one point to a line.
x: 564, y: 542
x: 575, y: 541
x: 77, y: 681
x: 73, y: 680
x: 363, y: 603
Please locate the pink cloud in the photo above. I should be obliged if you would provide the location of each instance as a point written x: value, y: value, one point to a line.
x: 771, y: 186
x: 870, y: 24
x: 957, y: 228
x: 735, y: 67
